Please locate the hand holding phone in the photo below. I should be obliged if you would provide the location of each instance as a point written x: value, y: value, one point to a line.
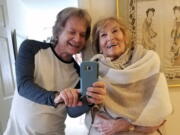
x: 88, y: 75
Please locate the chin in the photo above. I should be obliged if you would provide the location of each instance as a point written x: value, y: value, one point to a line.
x: 74, y: 52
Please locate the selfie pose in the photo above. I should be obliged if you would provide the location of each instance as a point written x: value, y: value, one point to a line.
x: 47, y: 76
x: 137, y: 100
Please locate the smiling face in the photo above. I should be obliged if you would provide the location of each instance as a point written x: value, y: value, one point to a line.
x: 112, y: 40
x: 72, y: 39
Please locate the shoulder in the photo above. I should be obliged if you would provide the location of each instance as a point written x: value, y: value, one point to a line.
x: 139, y: 52
x: 33, y: 46
x: 35, y: 43
x: 29, y: 48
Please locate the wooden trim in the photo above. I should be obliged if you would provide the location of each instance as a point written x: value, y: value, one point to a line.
x: 117, y: 8
x: 173, y: 85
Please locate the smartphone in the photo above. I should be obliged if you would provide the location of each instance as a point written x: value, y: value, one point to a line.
x: 88, y: 75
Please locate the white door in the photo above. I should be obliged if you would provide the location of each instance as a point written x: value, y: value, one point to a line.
x: 7, y: 80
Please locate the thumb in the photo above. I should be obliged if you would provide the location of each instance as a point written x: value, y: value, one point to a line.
x: 79, y: 103
x: 78, y: 91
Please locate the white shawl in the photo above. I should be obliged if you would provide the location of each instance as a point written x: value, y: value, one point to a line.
x: 139, y: 92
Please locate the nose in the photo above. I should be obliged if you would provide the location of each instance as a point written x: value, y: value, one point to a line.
x: 77, y: 38
x: 110, y: 36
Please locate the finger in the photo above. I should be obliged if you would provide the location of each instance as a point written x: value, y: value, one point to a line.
x: 97, y: 90
x: 102, y: 130
x: 75, y: 97
x: 99, y: 84
x: 64, y: 97
x: 58, y: 98
x: 78, y: 91
x: 96, y: 94
x: 101, y: 125
x: 95, y: 98
x: 70, y: 97
x: 79, y: 103
x: 93, y: 101
x: 103, y: 133
x: 96, y: 125
x: 107, y: 132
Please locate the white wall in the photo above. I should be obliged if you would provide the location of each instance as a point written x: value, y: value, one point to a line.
x: 99, y: 9
x: 34, y: 19
x: 17, y: 16
x: 40, y: 19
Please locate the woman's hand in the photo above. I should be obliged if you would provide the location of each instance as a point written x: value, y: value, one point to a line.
x: 107, y: 126
x: 111, y: 126
x: 69, y: 96
x: 96, y: 94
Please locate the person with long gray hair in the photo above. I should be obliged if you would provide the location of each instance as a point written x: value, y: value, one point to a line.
x: 48, y: 78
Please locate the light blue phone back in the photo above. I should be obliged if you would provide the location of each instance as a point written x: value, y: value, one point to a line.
x: 88, y: 75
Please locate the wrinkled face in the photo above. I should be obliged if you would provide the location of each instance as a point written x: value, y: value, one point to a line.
x: 72, y: 38
x: 111, y: 40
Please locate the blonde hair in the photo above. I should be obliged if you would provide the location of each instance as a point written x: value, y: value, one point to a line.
x: 100, y: 26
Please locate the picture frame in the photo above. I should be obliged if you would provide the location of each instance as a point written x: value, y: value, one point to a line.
x: 157, y: 29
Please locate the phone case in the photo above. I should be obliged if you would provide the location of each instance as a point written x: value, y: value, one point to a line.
x: 88, y: 75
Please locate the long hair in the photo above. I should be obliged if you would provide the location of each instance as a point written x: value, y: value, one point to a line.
x: 64, y: 15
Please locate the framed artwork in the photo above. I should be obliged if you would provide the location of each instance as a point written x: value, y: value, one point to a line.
x: 156, y: 26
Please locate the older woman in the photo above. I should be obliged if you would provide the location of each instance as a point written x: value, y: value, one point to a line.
x: 137, y: 100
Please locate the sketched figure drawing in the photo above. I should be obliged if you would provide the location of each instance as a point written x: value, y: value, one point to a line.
x: 147, y: 31
x: 175, y: 36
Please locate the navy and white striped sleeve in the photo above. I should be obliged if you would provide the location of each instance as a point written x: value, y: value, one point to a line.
x: 25, y: 74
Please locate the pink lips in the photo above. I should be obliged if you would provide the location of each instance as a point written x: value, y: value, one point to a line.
x: 112, y: 45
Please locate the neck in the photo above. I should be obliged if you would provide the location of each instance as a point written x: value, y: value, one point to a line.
x: 63, y: 55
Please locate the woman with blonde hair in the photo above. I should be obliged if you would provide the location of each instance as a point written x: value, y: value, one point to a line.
x: 137, y: 100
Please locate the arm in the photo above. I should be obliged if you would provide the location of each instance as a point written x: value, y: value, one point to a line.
x: 77, y: 111
x: 25, y: 74
x: 112, y: 126
x: 95, y: 95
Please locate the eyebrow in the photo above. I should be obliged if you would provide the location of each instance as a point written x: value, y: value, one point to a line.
x: 116, y: 27
x: 102, y: 31
x: 72, y: 29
